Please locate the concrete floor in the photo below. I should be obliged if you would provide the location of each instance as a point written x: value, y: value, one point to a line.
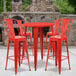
x: 51, y: 69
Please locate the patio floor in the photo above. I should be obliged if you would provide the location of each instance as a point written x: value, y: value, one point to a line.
x: 51, y: 69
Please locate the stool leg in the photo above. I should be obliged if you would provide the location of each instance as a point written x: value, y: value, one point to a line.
x: 59, y: 53
x: 27, y: 55
x: 68, y: 54
x: 47, y: 55
x: 55, y: 53
x: 53, y: 44
x: 51, y: 48
x: 45, y: 43
x: 19, y: 54
x: 23, y: 52
x: 16, y: 49
x: 7, y: 54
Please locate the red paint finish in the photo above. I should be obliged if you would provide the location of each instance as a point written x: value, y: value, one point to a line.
x: 39, y: 24
x: 58, y: 39
x: 35, y: 31
x: 38, y: 27
x: 57, y: 23
x: 26, y: 32
x: 41, y: 42
x: 16, y: 39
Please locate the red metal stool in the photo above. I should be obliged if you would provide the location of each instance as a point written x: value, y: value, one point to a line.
x: 58, y: 39
x: 24, y: 33
x: 56, y: 32
x: 9, y: 27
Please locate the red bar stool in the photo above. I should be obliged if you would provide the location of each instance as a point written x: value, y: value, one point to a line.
x: 9, y: 27
x: 58, y: 39
x: 56, y: 32
x: 20, y: 24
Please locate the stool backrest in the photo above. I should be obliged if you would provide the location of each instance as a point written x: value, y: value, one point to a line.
x: 9, y: 27
x: 22, y: 28
x: 66, y: 25
x: 57, y: 25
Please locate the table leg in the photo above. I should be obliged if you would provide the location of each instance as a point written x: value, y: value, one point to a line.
x: 41, y: 42
x: 59, y: 51
x: 16, y: 54
x: 35, y: 31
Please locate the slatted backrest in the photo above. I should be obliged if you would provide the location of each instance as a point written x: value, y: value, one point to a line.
x: 66, y: 25
x: 23, y: 29
x: 57, y: 25
x: 20, y: 27
x: 8, y: 24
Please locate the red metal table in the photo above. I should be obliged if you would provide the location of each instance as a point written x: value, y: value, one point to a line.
x: 38, y: 26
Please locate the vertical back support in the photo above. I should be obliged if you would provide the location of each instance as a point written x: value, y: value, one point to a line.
x: 57, y: 26
x: 20, y: 26
x: 10, y: 27
x: 65, y: 24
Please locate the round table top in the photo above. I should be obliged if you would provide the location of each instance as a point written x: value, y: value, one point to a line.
x: 38, y: 24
